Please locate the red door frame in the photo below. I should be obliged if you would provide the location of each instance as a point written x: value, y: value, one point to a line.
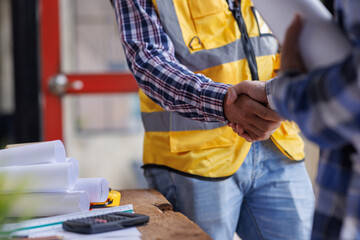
x: 50, y: 66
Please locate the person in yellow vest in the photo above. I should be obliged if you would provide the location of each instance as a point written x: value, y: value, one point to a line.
x: 185, y: 54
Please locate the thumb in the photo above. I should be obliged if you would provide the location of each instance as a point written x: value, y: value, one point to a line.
x: 232, y: 95
x: 293, y: 32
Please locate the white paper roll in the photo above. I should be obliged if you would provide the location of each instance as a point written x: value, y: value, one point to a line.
x: 39, y: 177
x: 75, y: 162
x: 48, y: 204
x: 321, y: 41
x: 36, y: 153
x: 97, y: 188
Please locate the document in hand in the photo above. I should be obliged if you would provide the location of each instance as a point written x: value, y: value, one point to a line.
x: 321, y: 41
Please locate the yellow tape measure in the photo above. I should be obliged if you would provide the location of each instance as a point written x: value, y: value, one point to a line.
x: 112, y: 200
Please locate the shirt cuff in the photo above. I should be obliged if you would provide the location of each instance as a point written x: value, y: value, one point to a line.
x: 270, y: 86
x: 269, y: 93
x: 213, y: 101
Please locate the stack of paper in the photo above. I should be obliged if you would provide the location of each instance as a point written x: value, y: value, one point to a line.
x: 48, y: 182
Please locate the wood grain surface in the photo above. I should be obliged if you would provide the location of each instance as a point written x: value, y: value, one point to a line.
x: 164, y: 222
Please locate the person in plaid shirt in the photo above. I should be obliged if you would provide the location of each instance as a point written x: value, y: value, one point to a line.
x: 184, y: 56
x: 326, y: 105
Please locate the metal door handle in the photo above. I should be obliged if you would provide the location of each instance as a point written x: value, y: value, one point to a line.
x: 60, y: 84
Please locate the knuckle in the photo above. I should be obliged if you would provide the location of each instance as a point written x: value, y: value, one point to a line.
x: 267, y: 126
x: 264, y: 136
x: 266, y: 113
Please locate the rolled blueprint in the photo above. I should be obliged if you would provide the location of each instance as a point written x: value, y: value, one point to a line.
x: 36, y: 153
x: 97, y: 188
x: 321, y: 41
x: 50, y: 177
x: 75, y: 162
x: 48, y: 204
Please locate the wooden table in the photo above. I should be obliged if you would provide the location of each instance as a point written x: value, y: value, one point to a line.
x: 164, y: 222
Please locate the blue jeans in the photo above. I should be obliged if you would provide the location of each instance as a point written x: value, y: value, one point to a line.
x: 269, y: 197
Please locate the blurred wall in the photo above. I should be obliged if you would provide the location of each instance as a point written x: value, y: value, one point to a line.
x: 103, y: 131
x: 7, y: 107
x: 6, y: 64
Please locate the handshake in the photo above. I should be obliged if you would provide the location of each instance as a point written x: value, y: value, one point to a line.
x: 246, y: 106
x: 247, y: 110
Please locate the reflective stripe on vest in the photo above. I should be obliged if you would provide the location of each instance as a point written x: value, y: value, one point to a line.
x: 171, y: 121
x: 204, y: 59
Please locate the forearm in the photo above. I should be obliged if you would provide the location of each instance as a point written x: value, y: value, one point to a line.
x: 151, y: 58
x: 175, y: 88
x: 324, y: 103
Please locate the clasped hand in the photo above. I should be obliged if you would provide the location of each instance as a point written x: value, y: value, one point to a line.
x: 246, y: 105
x: 246, y: 109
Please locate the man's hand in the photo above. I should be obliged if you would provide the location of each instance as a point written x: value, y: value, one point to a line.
x: 254, y: 89
x: 290, y: 61
x: 249, y: 118
x: 290, y: 57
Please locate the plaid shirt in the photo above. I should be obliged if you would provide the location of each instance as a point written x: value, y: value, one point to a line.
x: 151, y: 58
x: 326, y: 105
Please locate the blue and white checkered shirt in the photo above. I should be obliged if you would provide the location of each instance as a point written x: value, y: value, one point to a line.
x: 151, y: 58
x: 326, y: 105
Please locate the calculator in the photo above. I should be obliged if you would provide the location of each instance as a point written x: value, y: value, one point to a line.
x: 105, y: 222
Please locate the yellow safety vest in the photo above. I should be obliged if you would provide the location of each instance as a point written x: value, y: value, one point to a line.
x: 207, y: 40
